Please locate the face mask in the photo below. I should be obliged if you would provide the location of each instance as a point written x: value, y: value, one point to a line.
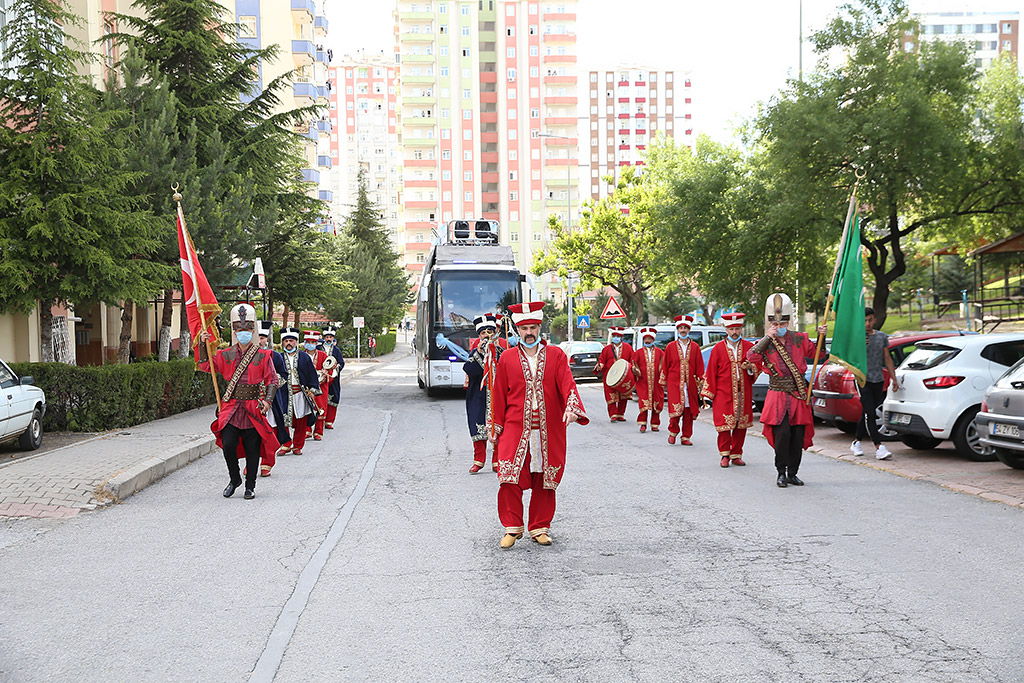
x: 291, y: 350
x: 328, y: 343
x: 309, y: 347
x: 530, y: 346
x: 616, y: 340
x: 513, y: 341
x: 243, y: 337
x: 782, y: 331
x: 648, y: 345
x: 682, y: 335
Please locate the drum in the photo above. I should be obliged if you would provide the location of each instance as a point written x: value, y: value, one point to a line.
x: 620, y: 376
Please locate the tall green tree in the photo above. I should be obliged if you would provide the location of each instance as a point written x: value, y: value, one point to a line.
x: 909, y: 120
x: 72, y: 229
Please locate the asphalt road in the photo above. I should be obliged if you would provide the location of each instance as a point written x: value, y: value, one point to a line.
x: 374, y: 556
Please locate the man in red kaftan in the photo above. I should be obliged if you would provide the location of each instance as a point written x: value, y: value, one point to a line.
x: 534, y: 400
x: 648, y: 365
x: 617, y: 349
x: 683, y: 376
x: 311, y: 340
x: 729, y: 386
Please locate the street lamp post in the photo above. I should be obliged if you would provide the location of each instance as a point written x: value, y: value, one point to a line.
x: 568, y: 217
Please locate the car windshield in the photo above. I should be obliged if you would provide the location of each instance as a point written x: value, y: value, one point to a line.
x: 927, y: 356
x: 584, y: 347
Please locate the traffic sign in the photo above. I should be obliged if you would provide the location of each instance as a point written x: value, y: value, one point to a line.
x: 612, y: 310
x: 582, y: 322
x: 357, y: 323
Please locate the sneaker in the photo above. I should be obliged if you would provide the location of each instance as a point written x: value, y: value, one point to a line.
x: 883, y: 453
x: 856, y: 448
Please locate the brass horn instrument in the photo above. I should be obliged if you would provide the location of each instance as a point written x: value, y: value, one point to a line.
x: 329, y: 370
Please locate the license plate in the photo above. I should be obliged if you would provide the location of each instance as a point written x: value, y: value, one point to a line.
x: 1005, y: 430
x: 899, y: 419
x: 588, y: 361
x: 819, y: 403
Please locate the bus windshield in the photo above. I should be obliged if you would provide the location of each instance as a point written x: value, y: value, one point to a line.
x: 459, y: 297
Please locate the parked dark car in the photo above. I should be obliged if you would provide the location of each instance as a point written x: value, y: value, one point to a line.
x: 836, y: 395
x: 1000, y: 422
x: 582, y: 357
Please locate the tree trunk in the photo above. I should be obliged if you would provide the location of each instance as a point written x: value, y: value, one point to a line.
x: 46, y: 332
x: 163, y: 347
x: 878, y: 256
x: 124, y: 346
x: 296, y: 325
x: 185, y: 336
x: 284, y: 318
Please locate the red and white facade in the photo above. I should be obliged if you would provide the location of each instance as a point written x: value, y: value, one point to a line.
x: 628, y: 107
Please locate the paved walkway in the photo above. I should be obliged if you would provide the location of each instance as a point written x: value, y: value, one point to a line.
x: 106, y: 468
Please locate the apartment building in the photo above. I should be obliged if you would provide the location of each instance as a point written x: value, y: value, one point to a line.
x: 488, y: 95
x: 988, y: 33
x: 628, y: 107
x: 365, y: 117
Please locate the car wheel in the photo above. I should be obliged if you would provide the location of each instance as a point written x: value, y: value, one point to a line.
x: 846, y: 427
x: 967, y: 439
x: 1014, y: 459
x: 918, y: 442
x: 33, y: 436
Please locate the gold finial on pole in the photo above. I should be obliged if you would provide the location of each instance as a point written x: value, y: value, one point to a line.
x: 177, y: 195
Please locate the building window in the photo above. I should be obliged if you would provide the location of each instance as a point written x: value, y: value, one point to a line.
x: 467, y: 134
x: 533, y: 30
x: 467, y: 155
x: 445, y: 154
x: 534, y: 51
x: 442, y: 29
x: 1007, y: 27
x: 513, y: 237
x: 536, y: 237
x: 510, y: 11
x: 534, y: 72
x: 444, y: 72
x: 465, y: 10
x: 446, y: 175
x: 247, y: 26
x: 469, y: 196
x: 535, y: 114
x: 446, y: 133
x: 467, y: 114
x: 511, y: 114
x: 511, y: 75
x: 443, y: 8
x: 467, y: 94
x: 513, y: 215
x: 510, y: 31
x: 511, y: 93
x: 444, y: 50
x: 468, y: 176
x: 513, y: 196
x: 512, y: 175
x: 512, y: 134
x: 510, y: 53
x: 447, y: 197
x: 465, y: 31
x: 465, y: 52
x: 513, y: 155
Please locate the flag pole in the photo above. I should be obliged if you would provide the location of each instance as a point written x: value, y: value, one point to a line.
x: 199, y: 306
x: 832, y: 282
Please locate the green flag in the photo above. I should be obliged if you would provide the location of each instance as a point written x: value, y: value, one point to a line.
x: 849, y: 340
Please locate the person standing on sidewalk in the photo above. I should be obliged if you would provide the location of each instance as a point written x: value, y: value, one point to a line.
x: 617, y: 350
x: 252, y: 381
x: 786, y: 416
x: 683, y: 377
x: 334, y: 385
x: 372, y: 343
x: 873, y: 392
x: 648, y: 362
x: 300, y: 395
x: 729, y: 386
x: 535, y: 399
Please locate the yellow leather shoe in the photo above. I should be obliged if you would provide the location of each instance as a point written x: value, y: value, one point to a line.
x: 543, y: 539
x: 509, y: 540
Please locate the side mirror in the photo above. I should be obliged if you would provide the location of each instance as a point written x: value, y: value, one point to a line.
x: 28, y: 380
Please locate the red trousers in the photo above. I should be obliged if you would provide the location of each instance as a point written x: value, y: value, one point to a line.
x: 321, y: 406
x: 332, y: 412
x: 731, y: 442
x: 480, y: 453
x: 687, y: 419
x: 542, y: 503
x: 641, y: 418
x: 617, y: 409
x: 299, y: 428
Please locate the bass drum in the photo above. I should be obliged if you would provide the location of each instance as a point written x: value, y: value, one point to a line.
x: 620, y: 377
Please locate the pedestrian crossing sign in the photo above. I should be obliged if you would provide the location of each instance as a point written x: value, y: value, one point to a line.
x: 582, y: 322
x: 612, y: 310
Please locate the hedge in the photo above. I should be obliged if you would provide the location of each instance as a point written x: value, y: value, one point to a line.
x: 385, y: 344
x: 97, y: 398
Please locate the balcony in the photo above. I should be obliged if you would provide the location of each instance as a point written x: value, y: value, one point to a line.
x: 416, y: 16
x: 320, y: 26
x: 489, y: 178
x: 414, y: 267
x: 560, y: 121
x: 560, y: 100
x: 416, y: 37
x: 309, y: 132
x: 408, y: 141
x: 311, y: 175
x: 418, y: 246
x: 303, y: 52
x: 420, y: 163
x: 324, y: 126
x: 559, y: 37
x: 420, y: 183
x: 303, y: 10
x: 321, y: 56
x: 488, y: 137
x: 304, y: 93
x: 323, y: 95
x: 489, y: 97
x: 421, y: 204
x: 323, y: 161
x: 428, y: 99
x: 407, y: 59
x: 561, y: 142
x: 488, y: 76
x: 559, y: 59
x: 567, y: 80
x: 419, y: 121
x: 490, y: 197
x: 409, y: 78
x: 326, y: 196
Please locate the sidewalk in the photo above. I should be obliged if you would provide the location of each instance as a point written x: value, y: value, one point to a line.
x: 109, y: 467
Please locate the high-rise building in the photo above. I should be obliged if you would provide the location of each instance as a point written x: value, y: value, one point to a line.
x: 489, y: 109
x: 628, y: 107
x: 365, y: 116
x: 989, y: 33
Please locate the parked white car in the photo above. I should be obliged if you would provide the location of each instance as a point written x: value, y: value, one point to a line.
x: 22, y: 407
x: 942, y: 383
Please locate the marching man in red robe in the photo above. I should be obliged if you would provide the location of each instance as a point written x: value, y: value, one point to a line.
x: 729, y: 387
x: 786, y: 416
x: 535, y: 399
x: 242, y: 416
x: 609, y: 354
x: 311, y: 339
x: 683, y: 376
x: 647, y: 368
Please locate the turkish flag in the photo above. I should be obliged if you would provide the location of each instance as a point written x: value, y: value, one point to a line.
x: 200, y: 303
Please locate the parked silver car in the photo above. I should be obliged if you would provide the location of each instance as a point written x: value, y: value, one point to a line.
x: 1000, y: 422
x: 22, y: 407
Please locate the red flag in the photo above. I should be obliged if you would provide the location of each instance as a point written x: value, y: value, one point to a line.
x: 200, y: 303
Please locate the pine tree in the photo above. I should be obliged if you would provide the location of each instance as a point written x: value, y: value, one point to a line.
x: 71, y: 228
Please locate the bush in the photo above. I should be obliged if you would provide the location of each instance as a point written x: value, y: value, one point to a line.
x: 385, y: 344
x: 97, y: 398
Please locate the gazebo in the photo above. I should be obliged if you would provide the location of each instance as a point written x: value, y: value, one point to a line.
x: 1002, y: 299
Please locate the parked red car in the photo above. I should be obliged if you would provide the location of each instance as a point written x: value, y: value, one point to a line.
x: 836, y: 398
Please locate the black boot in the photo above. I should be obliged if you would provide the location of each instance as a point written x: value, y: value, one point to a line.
x: 249, y: 494
x: 230, y: 490
x: 781, y: 481
x: 794, y: 480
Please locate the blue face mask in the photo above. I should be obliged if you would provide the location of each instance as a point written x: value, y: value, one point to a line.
x: 616, y: 340
x: 309, y: 347
x: 530, y: 346
x: 682, y: 335
x: 291, y: 350
x: 243, y: 337
x: 648, y: 345
x: 782, y: 331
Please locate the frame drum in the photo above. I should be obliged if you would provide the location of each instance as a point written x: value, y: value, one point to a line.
x: 619, y: 377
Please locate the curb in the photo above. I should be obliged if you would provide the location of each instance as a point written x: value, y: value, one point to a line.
x: 143, y: 473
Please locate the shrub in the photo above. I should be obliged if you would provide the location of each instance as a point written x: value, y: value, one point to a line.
x: 96, y: 398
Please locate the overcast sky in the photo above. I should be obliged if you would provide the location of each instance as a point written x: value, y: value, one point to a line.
x: 738, y: 52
